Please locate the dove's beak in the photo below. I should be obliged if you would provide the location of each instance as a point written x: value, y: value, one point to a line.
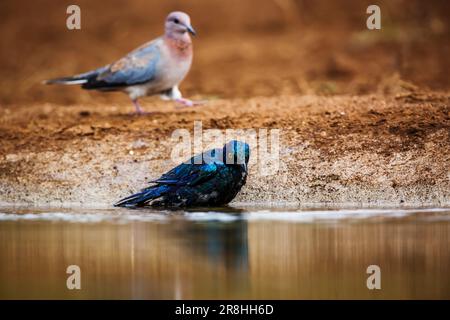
x: 191, y: 30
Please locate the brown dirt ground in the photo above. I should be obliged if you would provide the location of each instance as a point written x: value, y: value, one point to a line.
x: 365, y: 116
x: 353, y: 150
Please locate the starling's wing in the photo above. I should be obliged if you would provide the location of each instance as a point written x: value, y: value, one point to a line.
x: 143, y: 197
x: 190, y: 174
x: 183, y: 175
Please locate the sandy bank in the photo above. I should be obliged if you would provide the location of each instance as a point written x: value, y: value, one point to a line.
x: 371, y: 150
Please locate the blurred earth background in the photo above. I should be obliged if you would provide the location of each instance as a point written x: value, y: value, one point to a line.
x: 364, y: 115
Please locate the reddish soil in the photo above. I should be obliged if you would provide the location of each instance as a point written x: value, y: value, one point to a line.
x: 365, y: 115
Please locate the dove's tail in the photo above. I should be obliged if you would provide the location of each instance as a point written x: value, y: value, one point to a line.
x: 66, y: 80
x: 145, y: 197
x: 77, y: 79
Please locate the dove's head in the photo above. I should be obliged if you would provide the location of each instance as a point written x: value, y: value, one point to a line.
x: 178, y: 24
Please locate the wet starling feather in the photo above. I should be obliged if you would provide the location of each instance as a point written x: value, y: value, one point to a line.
x: 212, y: 178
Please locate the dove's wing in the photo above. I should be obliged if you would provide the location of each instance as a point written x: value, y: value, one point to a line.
x: 137, y: 67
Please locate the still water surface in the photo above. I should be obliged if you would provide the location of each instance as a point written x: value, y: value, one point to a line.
x: 231, y: 253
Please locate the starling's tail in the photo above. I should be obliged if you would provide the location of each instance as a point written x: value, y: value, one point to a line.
x: 145, y: 197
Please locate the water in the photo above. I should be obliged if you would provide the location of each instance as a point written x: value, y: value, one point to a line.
x: 238, y: 252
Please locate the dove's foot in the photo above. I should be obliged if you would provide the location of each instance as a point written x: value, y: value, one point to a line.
x: 189, y: 103
x: 139, y: 111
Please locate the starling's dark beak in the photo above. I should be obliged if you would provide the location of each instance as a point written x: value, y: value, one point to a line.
x: 191, y: 30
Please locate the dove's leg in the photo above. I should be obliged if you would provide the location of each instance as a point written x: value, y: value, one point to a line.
x: 138, y: 107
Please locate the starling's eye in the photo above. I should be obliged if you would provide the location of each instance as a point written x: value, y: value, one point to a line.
x: 176, y: 20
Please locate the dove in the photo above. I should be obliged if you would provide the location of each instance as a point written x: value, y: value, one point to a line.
x: 212, y: 178
x: 155, y: 68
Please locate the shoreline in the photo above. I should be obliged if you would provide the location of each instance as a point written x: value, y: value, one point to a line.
x: 368, y: 150
x: 239, y: 205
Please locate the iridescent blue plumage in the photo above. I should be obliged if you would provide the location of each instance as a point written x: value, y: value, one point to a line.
x: 212, y: 178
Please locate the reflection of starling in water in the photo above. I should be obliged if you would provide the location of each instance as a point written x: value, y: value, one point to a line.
x: 224, y: 243
x: 228, y: 244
